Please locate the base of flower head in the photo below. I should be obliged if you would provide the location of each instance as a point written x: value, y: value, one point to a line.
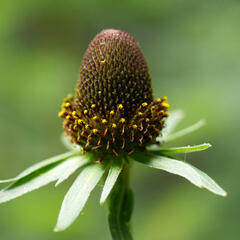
x: 114, y: 133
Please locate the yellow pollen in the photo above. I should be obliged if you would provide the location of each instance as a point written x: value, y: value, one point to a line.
x: 67, y: 117
x: 95, y: 130
x: 112, y: 112
x: 122, y: 120
x: 134, y: 126
x: 95, y: 118
x: 144, y: 104
x: 165, y: 104
x: 120, y: 106
x: 164, y: 98
x: 104, y: 121
x: 74, y: 113
x: 60, y: 114
x: 114, y: 125
x: 85, y: 111
x: 159, y: 100
x: 140, y: 113
x: 93, y: 106
x: 67, y: 104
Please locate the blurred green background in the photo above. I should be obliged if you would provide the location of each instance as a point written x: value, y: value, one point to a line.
x: 193, y: 52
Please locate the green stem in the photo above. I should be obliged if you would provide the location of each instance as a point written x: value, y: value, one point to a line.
x: 120, y: 206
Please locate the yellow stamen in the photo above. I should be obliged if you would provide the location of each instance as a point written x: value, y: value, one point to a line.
x: 164, y: 98
x: 122, y: 120
x: 67, y: 117
x: 95, y: 118
x: 85, y: 112
x: 144, y: 104
x: 114, y: 125
x: 74, y: 113
x: 120, y: 106
x: 80, y: 121
x: 165, y: 104
x: 135, y: 126
x: 112, y: 112
x: 60, y: 114
x: 93, y: 106
x: 159, y: 100
x: 67, y: 104
x: 140, y: 113
x: 104, y: 121
x: 95, y: 130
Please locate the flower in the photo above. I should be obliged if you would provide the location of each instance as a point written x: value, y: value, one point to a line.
x: 113, y: 110
x: 112, y: 116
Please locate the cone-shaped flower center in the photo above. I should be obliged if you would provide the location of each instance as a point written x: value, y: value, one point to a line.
x: 113, y: 109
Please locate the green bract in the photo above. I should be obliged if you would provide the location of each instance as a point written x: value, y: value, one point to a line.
x: 59, y: 168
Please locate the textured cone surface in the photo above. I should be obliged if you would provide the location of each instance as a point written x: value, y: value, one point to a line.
x: 114, y: 72
x: 113, y: 110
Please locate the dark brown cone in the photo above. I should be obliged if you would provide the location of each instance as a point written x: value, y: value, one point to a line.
x: 114, y: 72
x: 113, y: 110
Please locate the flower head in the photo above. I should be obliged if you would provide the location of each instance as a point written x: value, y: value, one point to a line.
x: 113, y: 109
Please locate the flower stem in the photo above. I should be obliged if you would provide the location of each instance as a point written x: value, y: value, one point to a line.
x: 120, y: 206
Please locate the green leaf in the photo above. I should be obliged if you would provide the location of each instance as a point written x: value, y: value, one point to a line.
x: 113, y: 174
x: 180, y: 168
x: 70, y: 169
x: 171, y: 123
x: 41, y: 165
x: 185, y: 131
x: 78, y: 195
x: 38, y: 179
x: 70, y: 146
x: 186, y: 149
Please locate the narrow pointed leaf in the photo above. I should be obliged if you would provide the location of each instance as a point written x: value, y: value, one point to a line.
x: 113, y: 174
x: 172, y: 121
x: 70, y: 169
x: 186, y: 149
x: 40, y: 165
x: 180, y: 168
x: 37, y: 179
x: 185, y: 131
x: 78, y: 194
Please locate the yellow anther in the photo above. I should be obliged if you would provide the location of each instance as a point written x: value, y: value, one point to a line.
x: 74, y: 113
x: 103, y: 61
x: 67, y: 117
x: 114, y: 125
x: 93, y: 106
x: 95, y: 130
x: 69, y: 96
x: 67, y: 104
x: 144, y: 104
x: 164, y: 98
x: 162, y: 112
x: 152, y: 108
x: 104, y: 121
x: 140, y: 113
x: 135, y: 126
x: 112, y: 112
x: 120, y: 106
x: 60, y: 114
x: 159, y: 100
x: 85, y: 111
x: 147, y: 119
x: 165, y: 104
x: 95, y: 118
x: 122, y: 120
x: 80, y: 121
x: 86, y: 126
